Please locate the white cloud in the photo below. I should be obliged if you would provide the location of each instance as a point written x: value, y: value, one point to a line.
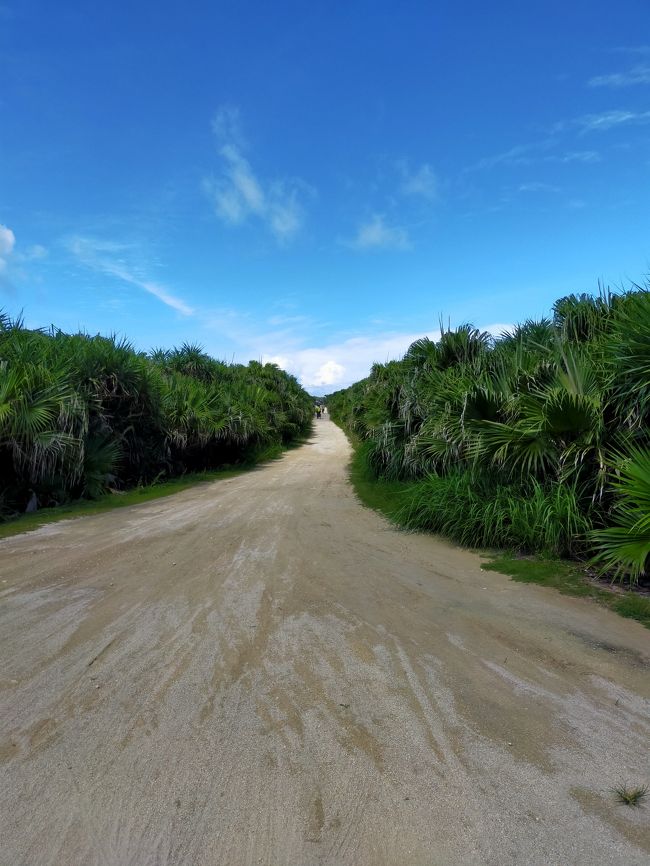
x: 7, y: 240
x: 337, y: 365
x: 520, y: 154
x: 279, y: 360
x: 7, y: 244
x: 577, y: 156
x: 375, y: 234
x: 610, y: 119
x: 535, y: 153
x: 103, y: 256
x: 283, y: 319
x: 36, y: 252
x: 329, y: 373
x: 422, y: 183
x: 237, y: 194
x: 632, y: 49
x: 226, y: 125
x: 537, y: 186
x: 637, y: 75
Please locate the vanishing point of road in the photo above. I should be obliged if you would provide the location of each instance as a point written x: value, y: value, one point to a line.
x: 262, y: 671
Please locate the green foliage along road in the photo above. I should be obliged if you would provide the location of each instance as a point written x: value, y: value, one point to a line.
x: 538, y: 441
x: 81, y: 414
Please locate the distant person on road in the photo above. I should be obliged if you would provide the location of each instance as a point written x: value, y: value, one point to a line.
x: 317, y: 411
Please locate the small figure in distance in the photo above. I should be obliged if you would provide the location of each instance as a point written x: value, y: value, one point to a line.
x: 317, y: 410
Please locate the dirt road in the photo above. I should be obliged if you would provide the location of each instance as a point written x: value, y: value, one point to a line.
x: 260, y: 670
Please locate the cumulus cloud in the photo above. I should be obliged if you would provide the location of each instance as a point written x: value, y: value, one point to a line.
x: 336, y: 365
x: 422, y: 182
x: 7, y: 244
x: 107, y: 257
x: 374, y: 234
x: 329, y: 373
x: 238, y: 194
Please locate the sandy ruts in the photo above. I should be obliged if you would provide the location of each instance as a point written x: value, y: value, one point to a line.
x: 262, y: 671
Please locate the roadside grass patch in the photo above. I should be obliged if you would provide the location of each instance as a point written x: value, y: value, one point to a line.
x: 394, y: 499
x: 563, y: 576
x: 630, y: 796
x: 570, y: 579
x: 255, y: 458
x: 633, y: 606
x: 110, y: 501
x: 384, y: 496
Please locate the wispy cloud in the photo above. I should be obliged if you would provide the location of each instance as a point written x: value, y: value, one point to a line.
x: 35, y: 253
x: 423, y: 182
x: 588, y: 156
x: 535, y: 153
x: 520, y: 154
x: 610, y: 120
x: 538, y: 186
x: 107, y: 257
x: 7, y: 244
x: 237, y: 193
x: 632, y: 49
x: 639, y: 74
x: 374, y: 234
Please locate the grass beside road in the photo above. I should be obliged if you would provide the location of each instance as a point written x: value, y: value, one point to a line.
x: 570, y: 579
x: 138, y: 495
x: 383, y: 496
x: 566, y: 577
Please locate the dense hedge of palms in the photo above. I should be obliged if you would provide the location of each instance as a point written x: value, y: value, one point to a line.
x: 537, y: 441
x: 81, y: 414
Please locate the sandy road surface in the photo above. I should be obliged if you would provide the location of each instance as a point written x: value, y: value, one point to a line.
x: 262, y: 671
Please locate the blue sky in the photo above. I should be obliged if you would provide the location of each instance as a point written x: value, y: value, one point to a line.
x: 317, y: 183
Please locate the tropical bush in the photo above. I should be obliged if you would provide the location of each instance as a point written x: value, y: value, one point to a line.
x: 538, y: 440
x: 80, y: 414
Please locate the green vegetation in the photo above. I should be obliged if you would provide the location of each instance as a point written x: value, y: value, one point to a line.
x: 631, y: 796
x: 564, y: 576
x: 109, y: 501
x: 81, y: 416
x: 536, y: 442
x: 571, y: 579
x: 384, y: 496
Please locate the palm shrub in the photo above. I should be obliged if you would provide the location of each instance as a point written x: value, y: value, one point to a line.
x: 624, y: 546
x: 627, y: 355
x: 41, y: 416
x: 82, y: 414
x: 528, y: 441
